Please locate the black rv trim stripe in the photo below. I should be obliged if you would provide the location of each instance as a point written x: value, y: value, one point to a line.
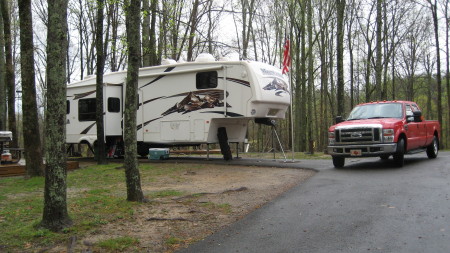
x: 231, y: 114
x: 239, y: 81
x: 159, y: 77
x: 146, y: 123
x: 85, y: 131
x: 82, y: 95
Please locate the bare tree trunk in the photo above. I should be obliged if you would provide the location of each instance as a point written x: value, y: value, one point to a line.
x: 55, y: 215
x: 32, y: 142
x: 10, y: 77
x: 100, y: 148
x: 146, y: 33
x: 311, y: 101
x: 382, y: 94
x: 133, y: 180
x: 447, y: 38
x: 340, y: 56
x: 193, y: 27
x: 154, y: 59
x: 438, y: 57
x: 2, y: 77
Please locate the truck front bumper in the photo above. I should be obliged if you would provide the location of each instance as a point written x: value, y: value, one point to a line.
x: 366, y: 150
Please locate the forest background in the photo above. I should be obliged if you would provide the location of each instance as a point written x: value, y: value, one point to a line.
x: 343, y: 53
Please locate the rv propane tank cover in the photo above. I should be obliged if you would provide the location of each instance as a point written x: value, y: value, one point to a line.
x: 205, y: 57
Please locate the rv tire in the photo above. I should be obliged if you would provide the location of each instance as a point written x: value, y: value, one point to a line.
x: 142, y: 149
x: 223, y: 142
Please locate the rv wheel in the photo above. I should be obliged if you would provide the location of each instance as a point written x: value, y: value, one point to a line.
x: 223, y: 142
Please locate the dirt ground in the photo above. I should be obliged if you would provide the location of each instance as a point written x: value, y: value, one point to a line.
x: 216, y: 196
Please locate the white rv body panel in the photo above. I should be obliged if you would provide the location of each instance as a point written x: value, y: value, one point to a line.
x: 185, y: 103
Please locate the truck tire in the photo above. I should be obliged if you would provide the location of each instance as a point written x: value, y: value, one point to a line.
x: 223, y: 142
x: 338, y: 161
x: 399, y: 156
x: 433, y: 148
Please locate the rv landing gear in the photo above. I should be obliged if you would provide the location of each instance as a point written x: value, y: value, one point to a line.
x: 223, y: 142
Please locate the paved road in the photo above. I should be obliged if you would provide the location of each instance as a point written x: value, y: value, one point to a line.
x: 368, y: 206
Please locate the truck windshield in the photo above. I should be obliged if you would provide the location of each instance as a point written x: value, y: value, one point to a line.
x: 375, y: 111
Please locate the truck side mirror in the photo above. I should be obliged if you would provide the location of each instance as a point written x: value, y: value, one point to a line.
x: 417, y: 116
x: 339, y: 119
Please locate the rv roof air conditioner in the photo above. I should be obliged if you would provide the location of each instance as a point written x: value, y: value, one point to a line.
x: 168, y: 61
x: 204, y: 57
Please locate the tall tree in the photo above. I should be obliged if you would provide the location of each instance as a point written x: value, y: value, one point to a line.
x: 2, y: 78
x: 10, y: 77
x: 379, y: 56
x: 32, y: 142
x: 100, y: 150
x: 55, y: 215
x: 309, y: 12
x: 433, y: 7
x: 340, y: 9
x: 149, y: 57
x: 447, y: 50
x: 133, y: 179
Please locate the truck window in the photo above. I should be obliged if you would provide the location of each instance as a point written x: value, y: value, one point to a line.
x: 86, y: 109
x: 67, y: 107
x: 206, y: 80
x: 382, y: 110
x: 409, y: 111
x: 113, y: 105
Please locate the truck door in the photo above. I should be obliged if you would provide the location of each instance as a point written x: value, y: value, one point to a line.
x: 422, y: 128
x: 412, y: 129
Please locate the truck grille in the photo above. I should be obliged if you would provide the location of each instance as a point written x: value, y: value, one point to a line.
x: 358, y: 135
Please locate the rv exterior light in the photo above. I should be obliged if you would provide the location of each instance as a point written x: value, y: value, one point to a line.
x: 204, y: 57
x: 253, y: 112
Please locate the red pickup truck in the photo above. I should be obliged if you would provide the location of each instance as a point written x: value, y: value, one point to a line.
x: 383, y: 129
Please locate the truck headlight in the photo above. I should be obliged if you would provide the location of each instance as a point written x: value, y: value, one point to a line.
x: 331, y: 138
x: 388, y: 135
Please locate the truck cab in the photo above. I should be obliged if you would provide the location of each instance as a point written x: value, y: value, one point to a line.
x: 383, y: 129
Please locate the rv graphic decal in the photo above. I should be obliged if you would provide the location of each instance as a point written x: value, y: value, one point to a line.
x: 193, y: 102
x: 278, y: 85
x: 159, y: 77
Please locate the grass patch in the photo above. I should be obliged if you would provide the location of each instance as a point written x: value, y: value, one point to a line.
x: 171, y: 241
x: 225, y: 208
x: 96, y: 196
x: 118, y: 244
x: 166, y: 193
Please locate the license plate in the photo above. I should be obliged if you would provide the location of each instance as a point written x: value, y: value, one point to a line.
x: 355, y: 152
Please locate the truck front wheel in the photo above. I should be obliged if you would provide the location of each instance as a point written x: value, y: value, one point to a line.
x: 399, y: 156
x: 338, y: 161
x: 433, y: 148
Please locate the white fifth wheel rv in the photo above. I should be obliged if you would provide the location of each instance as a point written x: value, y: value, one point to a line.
x: 190, y: 103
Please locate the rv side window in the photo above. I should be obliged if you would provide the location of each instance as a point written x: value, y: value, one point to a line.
x: 206, y: 80
x: 86, y: 109
x: 113, y: 105
x: 67, y: 107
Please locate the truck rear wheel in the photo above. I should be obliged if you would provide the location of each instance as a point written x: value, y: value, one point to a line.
x: 399, y: 156
x: 433, y: 148
x: 223, y: 142
x: 338, y: 161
